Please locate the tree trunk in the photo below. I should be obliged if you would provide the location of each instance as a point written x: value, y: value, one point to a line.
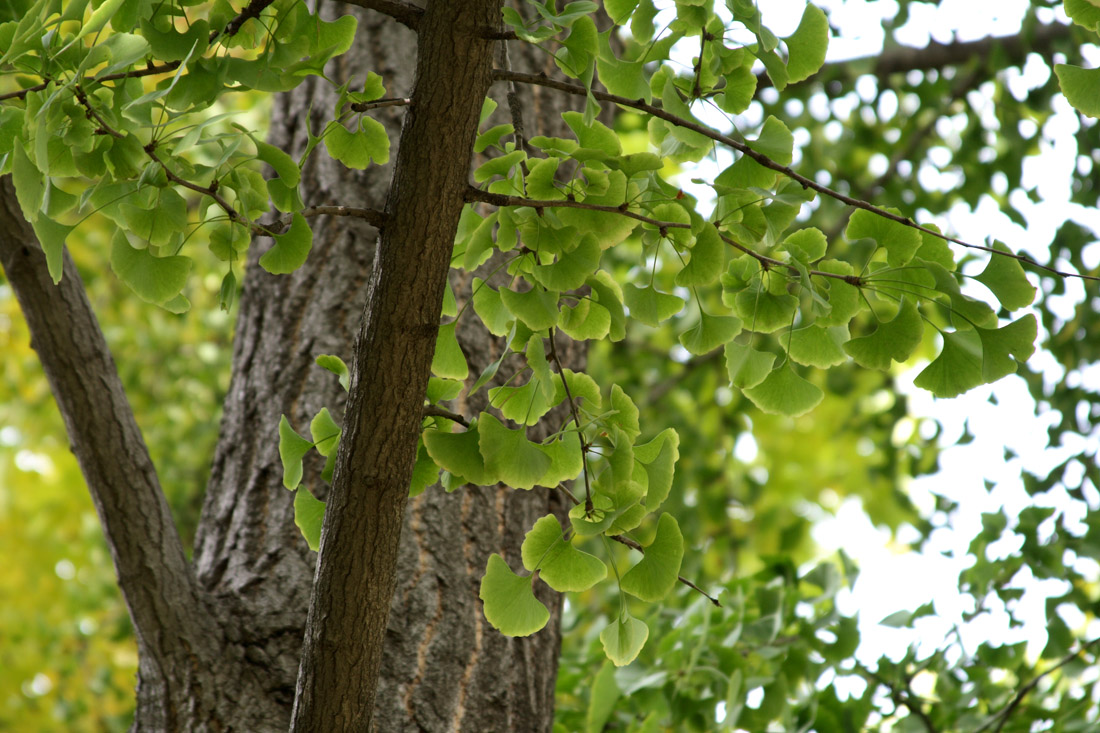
x: 442, y: 664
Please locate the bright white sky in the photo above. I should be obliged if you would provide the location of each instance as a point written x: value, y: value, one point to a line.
x: 893, y: 577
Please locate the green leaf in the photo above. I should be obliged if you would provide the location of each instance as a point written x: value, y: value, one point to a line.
x: 509, y: 455
x: 706, y: 261
x: 806, y: 245
x: 586, y: 320
x: 605, y: 691
x: 957, y: 369
x: 309, y: 515
x: 764, y: 311
x: 655, y: 574
x: 901, y: 242
x: 560, y: 565
x: 30, y: 186
x: 747, y: 367
x: 1084, y: 13
x: 625, y: 78
x: 843, y: 298
x: 785, y: 393
x: 280, y: 162
x: 358, y: 149
x: 572, y: 268
x: 155, y: 279
x: 1005, y: 277
x: 1080, y: 85
x: 710, y: 333
x: 819, y: 347
x: 292, y: 448
x: 337, y: 366
x: 499, y: 166
x: 425, y: 471
x: 595, y: 136
x: 649, y: 306
x: 509, y: 600
x: 490, y: 308
x: 610, y: 296
x: 999, y: 346
x: 655, y: 463
x: 807, y: 45
x: 537, y: 308
x: 161, y: 223
x: 51, y: 236
x: 523, y: 405
x: 290, y: 250
x: 625, y: 412
x: 460, y: 454
x: 449, y: 362
x: 623, y: 639
x: 894, y: 340
x: 565, y: 460
x: 325, y: 432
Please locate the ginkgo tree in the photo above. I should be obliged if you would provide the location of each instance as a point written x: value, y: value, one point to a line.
x: 113, y: 117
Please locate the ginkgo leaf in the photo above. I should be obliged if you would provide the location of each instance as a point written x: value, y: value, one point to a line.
x: 710, y: 333
x: 655, y: 462
x: 490, y: 308
x: 1080, y: 85
x: 957, y: 369
x: 359, y: 149
x: 537, y: 308
x: 509, y: 455
x: 325, y: 432
x: 460, y: 454
x: 655, y: 574
x: 566, y: 460
x: 806, y: 245
x: 448, y: 361
x: 623, y: 639
x: 509, y: 600
x: 807, y: 45
x: 625, y: 412
x: 816, y: 346
x: 764, y: 311
x: 425, y: 471
x: 291, y: 248
x: 524, y: 405
x: 572, y: 268
x: 560, y: 565
x: 785, y: 393
x: 309, y: 515
x: 705, y: 264
x: 337, y: 366
x: 901, y: 242
x: 894, y: 340
x: 1002, y: 347
x: 747, y: 367
x: 292, y: 448
x: 154, y: 279
x: 585, y: 320
x: 610, y: 296
x: 650, y: 306
x: 1005, y: 277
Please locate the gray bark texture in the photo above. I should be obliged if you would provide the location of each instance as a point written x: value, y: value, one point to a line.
x: 220, y: 638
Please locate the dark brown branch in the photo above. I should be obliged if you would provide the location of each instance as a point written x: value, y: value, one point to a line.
x: 903, y: 59
x: 576, y: 421
x: 174, y: 629
x: 375, y: 218
x: 1001, y: 717
x: 634, y: 545
x: 250, y: 11
x: 499, y: 199
x: 379, y: 103
x: 404, y: 13
x: 642, y: 106
x: 436, y: 411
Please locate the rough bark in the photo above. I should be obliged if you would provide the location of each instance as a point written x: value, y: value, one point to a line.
x: 442, y: 664
x: 178, y: 633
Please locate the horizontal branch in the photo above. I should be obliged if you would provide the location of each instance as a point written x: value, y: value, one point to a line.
x: 497, y: 199
x: 404, y: 13
x: 379, y: 103
x: 437, y: 411
x: 642, y: 106
x: 375, y: 218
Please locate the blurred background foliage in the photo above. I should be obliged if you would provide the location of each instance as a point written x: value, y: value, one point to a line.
x: 749, y: 487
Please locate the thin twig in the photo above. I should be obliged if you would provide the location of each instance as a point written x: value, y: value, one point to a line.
x: 1003, y: 715
x: 634, y: 545
x: 576, y: 420
x: 499, y: 199
x: 404, y: 13
x: 378, y: 103
x: 642, y: 106
x: 515, y: 109
x: 436, y: 411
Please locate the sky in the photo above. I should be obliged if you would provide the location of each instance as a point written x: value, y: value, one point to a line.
x: 893, y: 576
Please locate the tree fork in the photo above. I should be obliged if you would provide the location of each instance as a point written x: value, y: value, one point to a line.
x: 342, y: 653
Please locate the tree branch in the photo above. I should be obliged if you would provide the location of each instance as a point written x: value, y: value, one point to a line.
x: 642, y: 106
x: 404, y: 13
x: 903, y: 697
x: 903, y: 59
x: 173, y: 627
x: 1001, y: 717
